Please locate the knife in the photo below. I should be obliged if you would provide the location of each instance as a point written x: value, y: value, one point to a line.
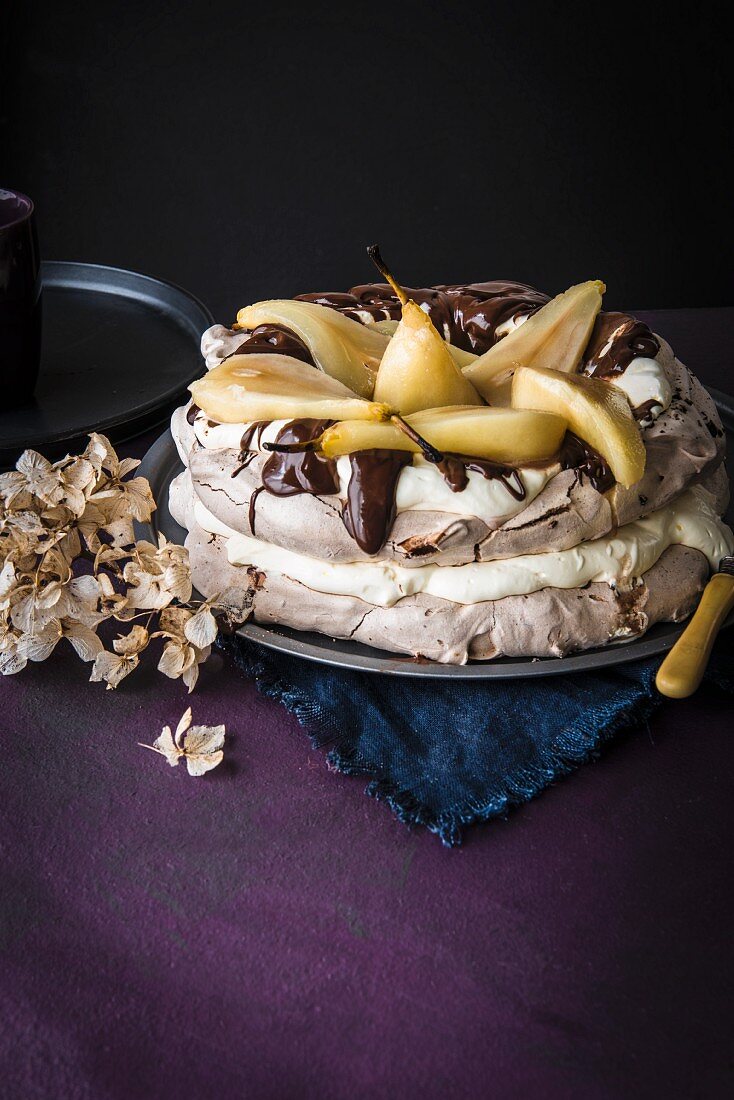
x: 682, y: 670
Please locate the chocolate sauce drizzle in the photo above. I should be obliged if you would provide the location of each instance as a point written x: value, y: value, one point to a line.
x: 627, y: 338
x: 251, y: 510
x: 454, y: 469
x: 193, y: 412
x: 578, y: 455
x: 284, y: 474
x: 642, y: 412
x: 370, y: 506
x: 468, y: 314
x: 249, y: 445
x: 274, y: 340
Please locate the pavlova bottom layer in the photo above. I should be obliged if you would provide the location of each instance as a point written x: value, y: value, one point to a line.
x: 549, y: 622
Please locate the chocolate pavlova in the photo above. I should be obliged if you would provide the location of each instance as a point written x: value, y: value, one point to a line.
x: 460, y: 472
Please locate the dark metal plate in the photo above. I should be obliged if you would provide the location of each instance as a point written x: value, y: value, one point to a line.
x: 160, y: 466
x: 119, y: 350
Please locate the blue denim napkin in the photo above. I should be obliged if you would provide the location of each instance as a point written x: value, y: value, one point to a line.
x: 448, y: 754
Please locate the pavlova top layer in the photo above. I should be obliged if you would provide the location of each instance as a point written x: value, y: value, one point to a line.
x: 421, y: 486
x: 680, y: 438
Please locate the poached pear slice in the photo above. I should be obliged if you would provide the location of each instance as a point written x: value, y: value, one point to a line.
x: 340, y: 347
x: 555, y: 337
x: 595, y: 411
x: 512, y: 437
x: 418, y: 371
x: 245, y: 388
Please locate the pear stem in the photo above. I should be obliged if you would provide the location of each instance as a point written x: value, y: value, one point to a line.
x: 430, y: 453
x: 374, y: 254
x: 294, y: 448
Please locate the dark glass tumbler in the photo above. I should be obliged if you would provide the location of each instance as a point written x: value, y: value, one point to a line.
x: 20, y: 299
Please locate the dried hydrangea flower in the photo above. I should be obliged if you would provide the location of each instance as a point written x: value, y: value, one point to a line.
x: 114, y: 667
x: 200, y: 746
x: 33, y: 476
x: 158, y: 575
x: 181, y: 657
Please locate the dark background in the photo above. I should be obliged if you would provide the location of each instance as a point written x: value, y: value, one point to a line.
x: 253, y: 151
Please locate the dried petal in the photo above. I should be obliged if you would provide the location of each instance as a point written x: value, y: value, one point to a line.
x: 8, y: 580
x: 80, y: 600
x: 113, y: 667
x: 100, y: 453
x: 144, y: 589
x: 183, y: 724
x: 85, y: 642
x: 12, y: 661
x: 175, y: 659
x: 13, y: 487
x: 140, y: 498
x: 120, y: 532
x: 26, y: 614
x: 232, y: 607
x: 173, y: 621
x: 201, y: 629
x: 204, y: 739
x: 41, y: 480
x: 127, y: 465
x: 166, y: 746
x: 203, y: 748
x: 200, y: 764
x: 190, y: 676
x: 133, y: 642
x: 41, y: 643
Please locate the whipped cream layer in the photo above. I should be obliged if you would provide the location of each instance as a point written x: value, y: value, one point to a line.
x: 619, y: 560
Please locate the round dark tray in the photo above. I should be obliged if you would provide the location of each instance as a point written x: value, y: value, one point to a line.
x: 162, y: 463
x: 119, y: 350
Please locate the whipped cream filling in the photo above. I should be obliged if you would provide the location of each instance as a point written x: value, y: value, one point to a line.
x: 420, y: 488
x: 645, y: 380
x: 510, y: 325
x: 615, y: 560
x: 214, y: 436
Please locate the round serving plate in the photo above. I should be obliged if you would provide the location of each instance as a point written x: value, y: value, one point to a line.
x: 118, y: 351
x: 162, y: 463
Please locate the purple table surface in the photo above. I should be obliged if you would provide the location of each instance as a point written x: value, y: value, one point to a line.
x: 270, y: 932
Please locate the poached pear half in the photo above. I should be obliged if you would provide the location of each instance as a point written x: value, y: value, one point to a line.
x: 555, y: 337
x: 595, y: 411
x: 418, y: 371
x: 245, y: 388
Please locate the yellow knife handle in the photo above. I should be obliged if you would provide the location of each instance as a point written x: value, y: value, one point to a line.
x: 682, y: 670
